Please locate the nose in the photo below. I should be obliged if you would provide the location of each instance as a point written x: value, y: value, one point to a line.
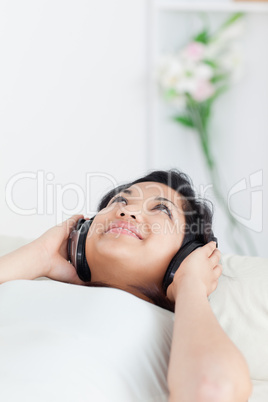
x: 132, y: 216
x: 124, y: 211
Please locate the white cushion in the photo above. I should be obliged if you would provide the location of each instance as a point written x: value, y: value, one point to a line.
x: 240, y: 304
x: 62, y: 342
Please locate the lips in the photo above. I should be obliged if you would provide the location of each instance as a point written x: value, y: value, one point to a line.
x: 125, y: 225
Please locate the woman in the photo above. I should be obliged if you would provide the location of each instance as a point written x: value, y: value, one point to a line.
x: 137, y: 231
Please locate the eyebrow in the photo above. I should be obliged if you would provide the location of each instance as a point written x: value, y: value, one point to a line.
x: 165, y: 199
x: 126, y: 191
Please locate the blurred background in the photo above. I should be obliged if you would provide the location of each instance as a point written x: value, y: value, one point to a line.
x: 81, y: 111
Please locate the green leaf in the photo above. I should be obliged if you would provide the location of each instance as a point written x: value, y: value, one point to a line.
x: 202, y: 37
x: 211, y: 63
x: 205, y: 109
x: 218, y: 92
x: 227, y: 23
x: 170, y: 93
x: 219, y: 77
x: 184, y: 120
x: 232, y: 19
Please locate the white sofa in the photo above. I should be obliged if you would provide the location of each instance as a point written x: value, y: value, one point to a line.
x: 240, y: 303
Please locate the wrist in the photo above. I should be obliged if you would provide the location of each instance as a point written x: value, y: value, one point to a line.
x: 40, y: 258
x: 191, y: 286
x: 27, y: 262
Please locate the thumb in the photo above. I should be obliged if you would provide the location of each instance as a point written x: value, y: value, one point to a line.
x: 70, y: 223
x: 170, y: 295
x: 210, y: 247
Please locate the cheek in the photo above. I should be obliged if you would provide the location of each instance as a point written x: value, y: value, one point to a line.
x: 167, y: 236
x: 99, y: 223
x: 95, y: 232
x: 89, y: 248
x: 168, y: 231
x: 161, y: 248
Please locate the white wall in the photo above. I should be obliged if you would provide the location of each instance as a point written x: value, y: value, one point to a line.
x: 238, y: 129
x: 72, y: 102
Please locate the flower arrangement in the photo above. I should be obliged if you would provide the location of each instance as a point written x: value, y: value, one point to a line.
x: 192, y: 79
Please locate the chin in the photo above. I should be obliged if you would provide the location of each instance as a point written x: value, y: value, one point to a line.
x: 116, y: 252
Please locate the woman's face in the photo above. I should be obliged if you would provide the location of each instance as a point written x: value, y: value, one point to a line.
x: 133, y: 239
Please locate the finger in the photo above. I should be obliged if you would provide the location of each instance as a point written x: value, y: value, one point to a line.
x: 214, y: 285
x: 75, y: 218
x: 217, y: 271
x: 78, y: 281
x: 215, y: 257
x: 71, y: 222
x: 170, y: 292
x: 71, y: 274
x: 210, y: 247
x: 68, y: 225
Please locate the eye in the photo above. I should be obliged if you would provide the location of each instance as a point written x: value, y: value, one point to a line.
x: 164, y: 208
x: 119, y: 199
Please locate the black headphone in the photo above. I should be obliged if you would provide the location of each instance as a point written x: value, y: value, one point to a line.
x: 77, y: 255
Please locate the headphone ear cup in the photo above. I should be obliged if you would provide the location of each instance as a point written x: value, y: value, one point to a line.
x: 76, y: 249
x: 176, y: 261
x: 181, y: 254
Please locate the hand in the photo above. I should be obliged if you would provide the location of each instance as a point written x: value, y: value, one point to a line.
x: 200, y: 268
x: 53, y: 246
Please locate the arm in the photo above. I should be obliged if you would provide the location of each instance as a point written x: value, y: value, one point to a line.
x: 45, y: 256
x: 204, y: 364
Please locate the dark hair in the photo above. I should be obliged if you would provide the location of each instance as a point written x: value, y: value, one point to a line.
x: 198, y: 215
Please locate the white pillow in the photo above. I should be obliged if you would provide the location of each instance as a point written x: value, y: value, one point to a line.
x: 62, y: 342
x: 240, y: 304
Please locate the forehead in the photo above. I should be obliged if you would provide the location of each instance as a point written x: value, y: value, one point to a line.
x: 146, y: 190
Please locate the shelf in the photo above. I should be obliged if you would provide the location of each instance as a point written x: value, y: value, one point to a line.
x: 228, y: 6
